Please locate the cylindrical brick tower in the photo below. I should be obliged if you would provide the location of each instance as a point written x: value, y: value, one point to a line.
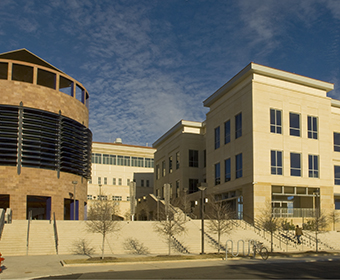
x: 45, y: 143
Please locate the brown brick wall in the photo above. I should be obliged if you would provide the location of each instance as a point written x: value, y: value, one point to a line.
x: 43, y: 98
x: 41, y: 182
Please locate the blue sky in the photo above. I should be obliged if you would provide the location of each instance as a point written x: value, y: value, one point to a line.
x: 147, y: 64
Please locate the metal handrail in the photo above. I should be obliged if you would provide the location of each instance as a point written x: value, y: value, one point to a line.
x: 55, y: 233
x: 2, y: 221
x: 28, y: 230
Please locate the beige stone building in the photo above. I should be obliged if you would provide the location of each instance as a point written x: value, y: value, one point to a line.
x: 114, y: 167
x: 45, y: 143
x: 270, y: 138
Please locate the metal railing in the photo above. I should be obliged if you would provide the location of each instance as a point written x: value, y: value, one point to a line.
x: 293, y: 212
x: 56, y: 240
x: 2, y: 220
x: 28, y: 230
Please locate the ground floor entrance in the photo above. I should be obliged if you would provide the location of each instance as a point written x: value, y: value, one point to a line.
x: 38, y: 207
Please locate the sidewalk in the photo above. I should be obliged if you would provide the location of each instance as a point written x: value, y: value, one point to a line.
x: 29, y: 267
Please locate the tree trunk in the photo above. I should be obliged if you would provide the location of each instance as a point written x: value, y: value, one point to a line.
x: 103, y: 246
x: 169, y: 241
x: 271, y: 242
x: 219, y: 241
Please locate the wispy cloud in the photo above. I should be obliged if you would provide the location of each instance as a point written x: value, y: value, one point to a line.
x: 148, y: 63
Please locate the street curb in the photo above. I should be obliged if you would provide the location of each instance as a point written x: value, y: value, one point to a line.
x: 139, y: 262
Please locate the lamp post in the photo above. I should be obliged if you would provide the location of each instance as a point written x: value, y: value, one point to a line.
x: 158, y: 198
x: 133, y: 200
x: 100, y: 191
x: 202, y: 188
x: 167, y: 200
x: 74, y: 198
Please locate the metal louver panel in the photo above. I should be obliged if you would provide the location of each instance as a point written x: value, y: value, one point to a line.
x: 48, y: 141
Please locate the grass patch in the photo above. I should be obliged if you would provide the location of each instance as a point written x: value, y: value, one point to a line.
x: 144, y: 259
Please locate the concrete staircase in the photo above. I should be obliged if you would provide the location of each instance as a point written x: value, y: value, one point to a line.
x: 41, y: 238
x: 41, y: 241
x: 13, y: 240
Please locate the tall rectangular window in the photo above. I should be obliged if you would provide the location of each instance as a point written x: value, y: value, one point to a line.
x: 217, y: 137
x: 312, y: 127
x: 3, y: 70
x: 97, y: 158
x: 336, y: 175
x: 105, y: 181
x: 106, y: 159
x: 158, y: 173
x: 114, y: 181
x: 294, y: 124
x: 112, y: 160
x: 193, y: 158
x: 99, y: 180
x: 295, y: 164
x: 227, y: 170
x: 177, y: 160
x: 205, y: 158
x: 313, y: 166
x: 163, y: 168
x: 238, y: 125
x: 134, y: 161
x: 193, y: 183
x: 239, y: 166
x: 120, y: 160
x: 217, y: 174
x: 275, y: 121
x: 170, y: 164
x: 149, y: 162
x: 119, y: 181
x: 336, y: 137
x: 276, y: 162
x: 177, y: 188
x: 227, y: 132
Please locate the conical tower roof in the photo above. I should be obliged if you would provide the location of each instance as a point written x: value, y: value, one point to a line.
x: 26, y: 56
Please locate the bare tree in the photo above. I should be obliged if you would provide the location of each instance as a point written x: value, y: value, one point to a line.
x: 269, y: 221
x: 135, y: 247
x: 334, y: 218
x: 102, y: 218
x: 83, y: 247
x: 317, y: 224
x: 220, y: 215
x: 170, y: 225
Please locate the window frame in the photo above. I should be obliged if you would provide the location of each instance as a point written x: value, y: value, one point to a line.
x: 227, y: 134
x: 217, y: 137
x: 227, y: 170
x: 312, y: 127
x: 336, y: 141
x: 276, y: 162
x: 217, y: 174
x: 275, y: 121
x: 238, y: 166
x: 238, y: 125
x: 193, y: 158
x: 296, y: 168
x: 313, y: 171
x: 294, y: 130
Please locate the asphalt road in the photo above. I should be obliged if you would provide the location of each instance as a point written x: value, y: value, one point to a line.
x: 323, y: 269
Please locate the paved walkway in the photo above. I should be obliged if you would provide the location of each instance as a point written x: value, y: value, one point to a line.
x: 29, y: 267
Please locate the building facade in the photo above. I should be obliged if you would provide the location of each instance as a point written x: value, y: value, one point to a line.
x: 271, y: 138
x: 114, y: 167
x: 45, y: 143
